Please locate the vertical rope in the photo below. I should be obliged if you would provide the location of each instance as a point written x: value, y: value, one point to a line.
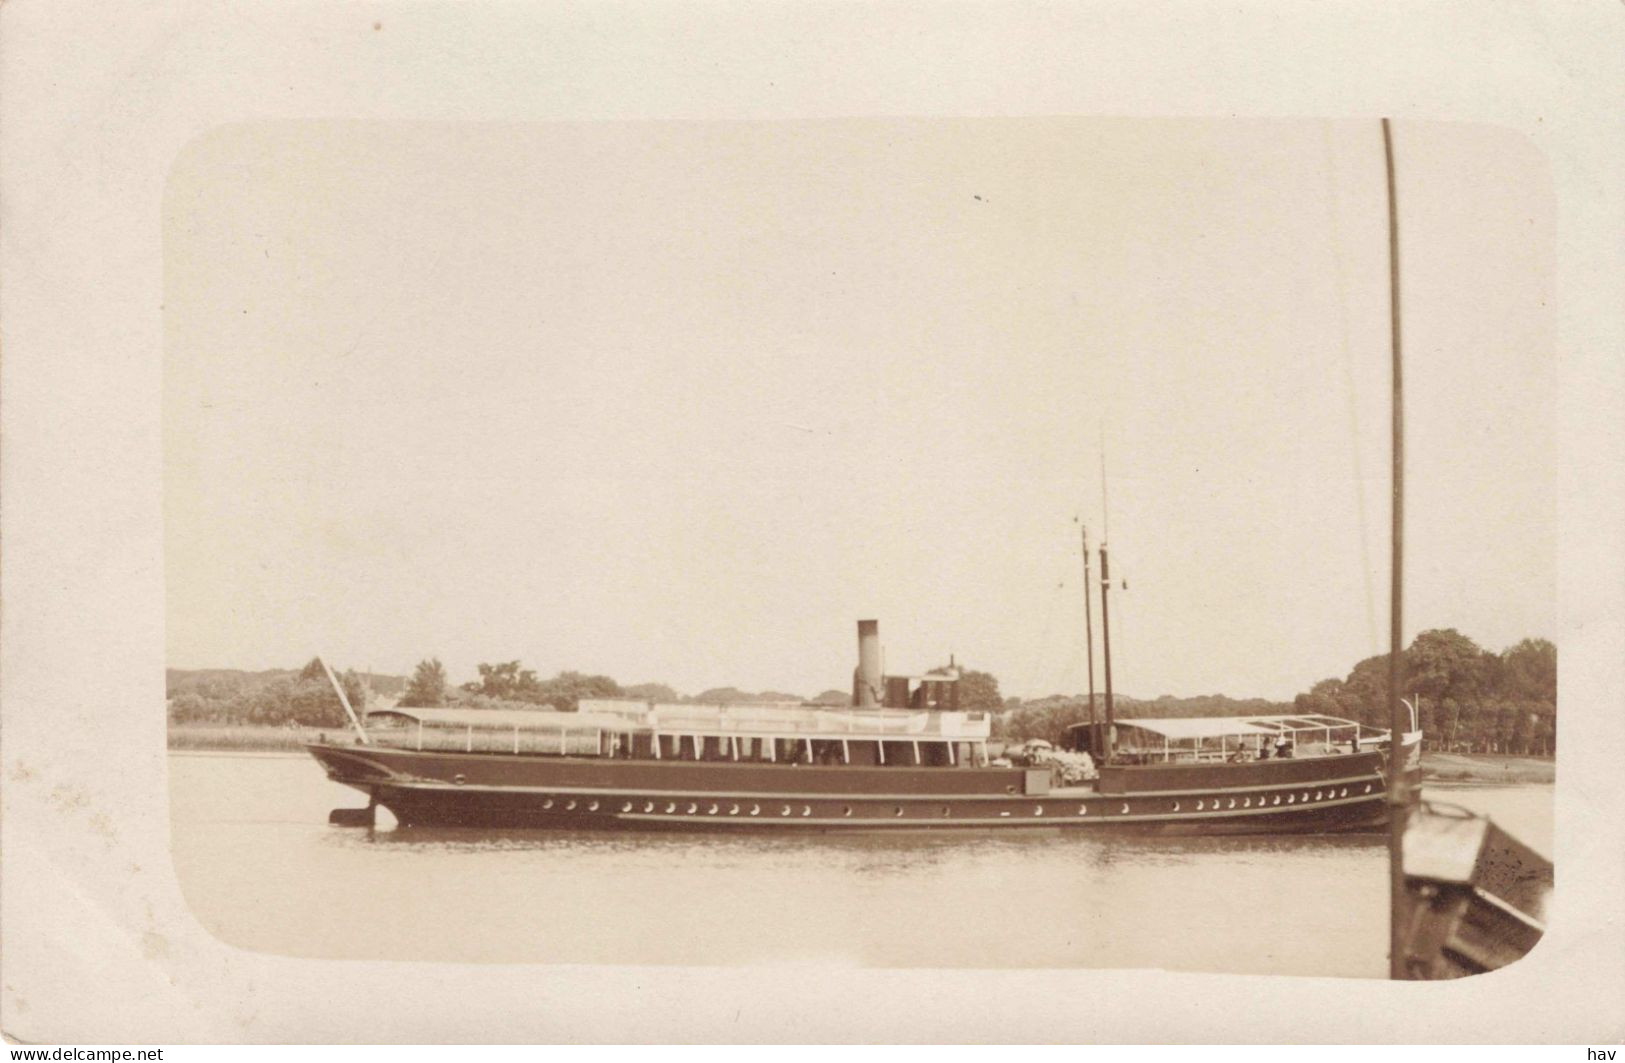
x: 1340, y: 282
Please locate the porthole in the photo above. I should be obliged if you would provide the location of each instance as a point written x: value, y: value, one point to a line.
x: 755, y: 809
x: 1038, y: 810
x: 1246, y: 802
x: 785, y: 811
x: 1319, y: 794
x: 806, y: 810
x: 1083, y: 810
x: 648, y: 806
x: 1277, y: 799
x: 1304, y: 796
x: 1344, y: 792
x: 626, y: 806
x: 1201, y: 806
x: 459, y: 779
x: 593, y: 807
x: 733, y: 810
x: 946, y: 811
x: 548, y: 803
x: 693, y: 808
x: 1232, y: 802
x: 671, y: 806
x: 1009, y: 789
x: 898, y: 811
x: 711, y: 811
x: 1176, y: 806
x: 570, y: 805
x: 846, y: 810
x: 1290, y: 798
x: 1125, y: 809
x: 1367, y: 787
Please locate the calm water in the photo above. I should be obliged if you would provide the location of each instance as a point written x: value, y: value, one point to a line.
x: 262, y: 870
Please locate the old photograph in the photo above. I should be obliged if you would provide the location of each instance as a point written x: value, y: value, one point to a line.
x: 736, y: 524
x: 958, y: 543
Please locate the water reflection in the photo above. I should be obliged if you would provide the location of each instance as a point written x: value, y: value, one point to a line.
x: 873, y: 849
x: 262, y: 870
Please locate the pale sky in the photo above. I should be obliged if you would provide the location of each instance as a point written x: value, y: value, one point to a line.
x: 680, y: 402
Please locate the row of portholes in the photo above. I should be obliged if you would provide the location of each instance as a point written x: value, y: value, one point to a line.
x: 1220, y: 804
x: 689, y: 808
x: 571, y: 805
x: 733, y: 809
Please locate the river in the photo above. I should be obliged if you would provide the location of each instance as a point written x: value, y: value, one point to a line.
x: 262, y: 870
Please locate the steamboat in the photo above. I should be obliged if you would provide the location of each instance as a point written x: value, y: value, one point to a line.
x: 903, y: 756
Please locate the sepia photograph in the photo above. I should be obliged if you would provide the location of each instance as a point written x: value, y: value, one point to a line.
x: 809, y: 523
x: 702, y: 528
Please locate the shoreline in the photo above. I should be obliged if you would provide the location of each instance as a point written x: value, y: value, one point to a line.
x: 1482, y: 768
x: 1497, y: 768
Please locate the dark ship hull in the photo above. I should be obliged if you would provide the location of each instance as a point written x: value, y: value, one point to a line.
x: 492, y: 790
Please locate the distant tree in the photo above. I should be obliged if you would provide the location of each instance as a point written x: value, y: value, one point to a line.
x: 1529, y: 671
x: 310, y: 700
x: 187, y: 708
x: 833, y: 697
x: 651, y: 692
x: 1325, y: 698
x: 1444, y: 663
x: 428, y: 685
x: 1472, y: 700
x: 979, y: 692
x: 506, y: 681
x: 565, y: 690
x: 721, y: 696
x: 1366, y: 691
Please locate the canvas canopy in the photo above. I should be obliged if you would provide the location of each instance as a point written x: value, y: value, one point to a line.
x: 1186, y: 728
x: 743, y: 720
x: 524, y: 719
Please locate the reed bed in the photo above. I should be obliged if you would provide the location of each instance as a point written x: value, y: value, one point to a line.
x: 234, y: 737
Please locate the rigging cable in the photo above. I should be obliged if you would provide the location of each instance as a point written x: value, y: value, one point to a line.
x: 1340, y: 282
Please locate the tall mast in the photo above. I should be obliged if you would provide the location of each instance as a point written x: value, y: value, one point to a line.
x: 1398, y: 724
x: 1088, y: 624
x: 1105, y: 591
x: 1106, y: 643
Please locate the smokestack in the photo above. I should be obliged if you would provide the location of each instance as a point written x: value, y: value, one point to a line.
x: 866, y: 681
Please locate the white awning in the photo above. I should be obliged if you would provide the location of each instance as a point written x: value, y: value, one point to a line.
x: 1185, y: 728
x: 524, y: 719
x: 744, y: 721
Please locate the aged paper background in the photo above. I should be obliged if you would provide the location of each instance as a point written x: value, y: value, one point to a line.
x: 98, y: 943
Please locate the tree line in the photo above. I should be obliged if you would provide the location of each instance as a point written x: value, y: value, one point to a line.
x: 274, y: 698
x: 1472, y: 700
x: 281, y: 697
